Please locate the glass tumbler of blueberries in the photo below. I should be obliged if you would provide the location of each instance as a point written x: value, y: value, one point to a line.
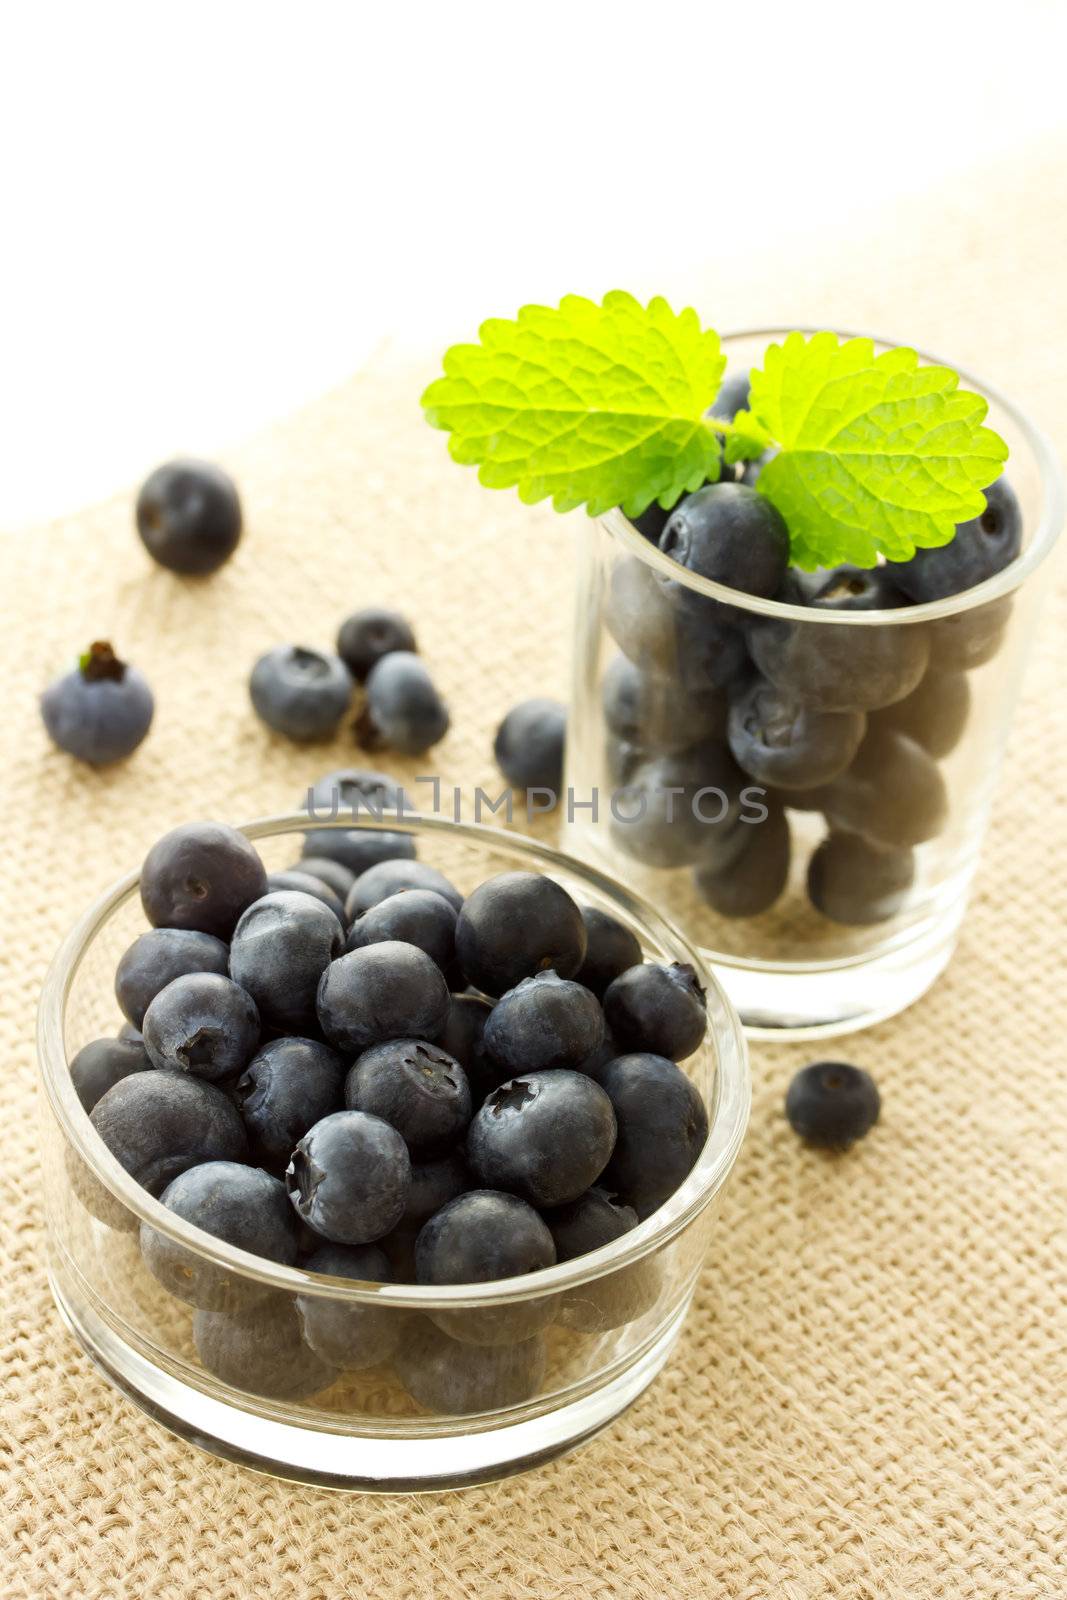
x: 381, y: 1156
x: 797, y: 766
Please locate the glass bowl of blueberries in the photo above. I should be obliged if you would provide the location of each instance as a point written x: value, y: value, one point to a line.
x: 381, y: 1154
x: 798, y: 766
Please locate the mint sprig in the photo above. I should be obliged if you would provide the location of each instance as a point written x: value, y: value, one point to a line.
x: 607, y: 405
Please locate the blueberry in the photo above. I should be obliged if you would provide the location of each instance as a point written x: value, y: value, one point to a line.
x: 384, y: 991
x: 656, y: 1008
x: 403, y: 710
x: 623, y: 759
x: 261, y: 1350
x: 516, y: 924
x: 349, y: 1177
x: 732, y: 397
x: 545, y: 1021
x: 852, y: 881
x: 101, y: 710
x: 595, y: 1219
x: 594, y: 1063
x: 781, y: 742
x: 337, y: 877
x: 387, y: 878
x: 281, y: 947
x: 479, y: 1237
x: 294, y: 880
x: 675, y: 806
x: 463, y: 1038
x: 415, y: 1087
x: 368, y: 635
x: 528, y: 746
x: 157, y: 957
x: 731, y: 535
x: 299, y: 692
x: 662, y: 1128
x: 979, y: 550
x: 98, y: 1066
x: 202, y: 1024
x: 451, y: 1379
x: 341, y: 1334
x: 241, y: 1205
x: 156, y: 1124
x: 934, y: 715
x: 610, y: 948
x: 433, y: 1185
x: 288, y: 1086
x: 658, y: 714
x: 639, y: 616
x: 201, y: 876
x: 546, y: 1136
x: 836, y: 667
x: 832, y: 1104
x: 969, y: 639
x: 358, y: 791
x: 420, y: 917
x: 189, y: 516
x: 96, y: 1198
x: 755, y: 878
x: 893, y: 793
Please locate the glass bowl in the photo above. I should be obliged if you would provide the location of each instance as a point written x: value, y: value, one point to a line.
x: 848, y: 906
x: 473, y: 1383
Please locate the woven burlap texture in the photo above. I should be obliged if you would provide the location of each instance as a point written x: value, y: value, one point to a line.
x: 868, y: 1400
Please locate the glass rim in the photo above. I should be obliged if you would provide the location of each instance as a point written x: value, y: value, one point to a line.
x: 1049, y: 526
x: 727, y: 1114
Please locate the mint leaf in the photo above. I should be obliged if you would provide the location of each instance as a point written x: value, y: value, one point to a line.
x: 746, y: 440
x: 877, y: 454
x: 596, y: 404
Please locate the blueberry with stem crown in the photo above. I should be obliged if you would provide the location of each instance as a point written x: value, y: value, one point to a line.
x: 101, y: 711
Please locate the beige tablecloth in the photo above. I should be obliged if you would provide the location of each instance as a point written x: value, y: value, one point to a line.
x: 868, y: 1401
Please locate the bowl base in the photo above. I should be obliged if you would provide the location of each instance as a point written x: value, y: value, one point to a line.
x: 327, y: 1458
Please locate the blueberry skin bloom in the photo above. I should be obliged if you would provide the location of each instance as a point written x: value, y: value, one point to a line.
x: 661, y: 1009
x: 481, y: 1236
x: 832, y: 1104
x: 662, y: 1128
x: 280, y: 949
x: 367, y: 635
x: 344, y: 1335
x: 239, y: 1204
x: 390, y: 877
x: 189, y: 516
x: 349, y: 1178
x: 202, y: 1024
x: 781, y: 742
x: 547, y: 1137
x: 404, y: 710
x: 416, y: 1088
x: 610, y: 949
x: 514, y: 925
x: 300, y: 693
x: 545, y: 1021
x: 98, y: 1066
x: 433, y: 1185
x: 528, y: 746
x: 156, y: 1124
x: 156, y: 958
x: 420, y: 917
x: 384, y: 991
x: 101, y: 711
x: 295, y: 880
x: 449, y: 1378
x: 596, y: 1218
x: 288, y: 1086
x: 857, y: 883
x: 979, y: 550
x: 201, y: 875
x: 893, y: 793
x: 261, y: 1350
x: 731, y: 535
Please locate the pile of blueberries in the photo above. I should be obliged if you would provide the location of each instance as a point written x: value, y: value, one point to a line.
x: 848, y: 721
x: 351, y: 1066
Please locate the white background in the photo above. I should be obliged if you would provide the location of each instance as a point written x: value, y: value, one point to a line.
x: 211, y: 212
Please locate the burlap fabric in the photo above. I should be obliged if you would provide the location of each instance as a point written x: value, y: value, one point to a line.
x: 869, y: 1399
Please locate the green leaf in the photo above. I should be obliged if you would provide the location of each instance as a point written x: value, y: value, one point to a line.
x: 747, y: 440
x: 877, y: 454
x: 596, y: 404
